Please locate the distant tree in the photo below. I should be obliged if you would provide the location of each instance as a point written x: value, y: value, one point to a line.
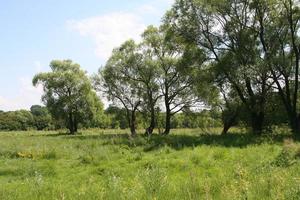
x: 98, y: 119
x: 68, y: 93
x: 119, y: 117
x: 41, y: 116
x: 21, y: 120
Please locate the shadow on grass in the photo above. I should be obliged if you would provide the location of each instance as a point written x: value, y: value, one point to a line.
x: 231, y: 140
x: 178, y: 142
x: 8, y: 172
x: 56, y: 134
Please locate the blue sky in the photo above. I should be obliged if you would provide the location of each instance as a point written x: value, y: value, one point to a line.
x: 35, y: 32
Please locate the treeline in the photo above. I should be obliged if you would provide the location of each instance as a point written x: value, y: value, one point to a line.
x: 39, y: 118
x: 238, y: 58
x: 241, y: 56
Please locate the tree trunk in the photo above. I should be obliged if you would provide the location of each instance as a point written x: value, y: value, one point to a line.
x: 75, y: 124
x: 228, y: 123
x: 168, y: 121
x: 294, y: 122
x: 257, y: 122
x: 151, y: 127
x: 133, y: 124
x: 292, y: 20
x: 71, y: 124
x: 226, y: 128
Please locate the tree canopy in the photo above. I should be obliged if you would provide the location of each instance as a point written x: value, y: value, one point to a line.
x: 68, y: 93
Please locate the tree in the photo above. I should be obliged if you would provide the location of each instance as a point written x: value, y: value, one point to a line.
x: 41, y: 116
x: 278, y: 25
x: 68, y: 93
x: 227, y: 32
x: 148, y: 75
x: 230, y: 111
x: 119, y: 117
x: 118, y: 80
x: 176, y: 75
x: 21, y: 120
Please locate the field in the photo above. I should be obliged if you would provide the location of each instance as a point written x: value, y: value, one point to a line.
x: 188, y: 164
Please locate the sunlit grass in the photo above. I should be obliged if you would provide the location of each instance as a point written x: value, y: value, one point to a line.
x: 109, y: 164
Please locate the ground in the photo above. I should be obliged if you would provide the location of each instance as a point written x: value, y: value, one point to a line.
x: 188, y: 164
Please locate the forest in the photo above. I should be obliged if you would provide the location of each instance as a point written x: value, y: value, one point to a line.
x: 204, y: 106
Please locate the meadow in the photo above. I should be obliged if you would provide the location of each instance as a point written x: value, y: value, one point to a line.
x: 188, y: 164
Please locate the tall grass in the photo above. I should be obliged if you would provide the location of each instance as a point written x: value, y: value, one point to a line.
x: 188, y: 164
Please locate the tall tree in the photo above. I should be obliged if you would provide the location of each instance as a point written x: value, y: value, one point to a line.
x: 226, y: 30
x: 68, y: 93
x: 148, y: 75
x: 176, y: 75
x: 118, y: 80
x: 278, y: 24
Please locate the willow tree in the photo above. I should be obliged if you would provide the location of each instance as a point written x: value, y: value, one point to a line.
x: 118, y: 80
x: 148, y: 75
x: 227, y: 32
x: 278, y: 23
x: 175, y: 73
x: 68, y: 93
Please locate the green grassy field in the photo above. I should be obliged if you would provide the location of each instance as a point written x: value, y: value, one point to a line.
x: 185, y: 165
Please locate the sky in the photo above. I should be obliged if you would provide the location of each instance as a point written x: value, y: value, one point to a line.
x: 35, y: 32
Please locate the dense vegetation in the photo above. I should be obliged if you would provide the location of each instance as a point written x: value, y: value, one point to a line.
x: 38, y: 118
x: 112, y: 117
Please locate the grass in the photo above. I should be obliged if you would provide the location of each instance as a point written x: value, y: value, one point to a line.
x: 188, y: 164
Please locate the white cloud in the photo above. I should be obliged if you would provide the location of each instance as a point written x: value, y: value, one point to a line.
x: 25, y: 98
x: 110, y: 30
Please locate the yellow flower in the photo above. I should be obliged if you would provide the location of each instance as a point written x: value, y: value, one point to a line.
x: 25, y: 155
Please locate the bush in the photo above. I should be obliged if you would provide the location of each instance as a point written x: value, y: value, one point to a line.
x: 289, y: 154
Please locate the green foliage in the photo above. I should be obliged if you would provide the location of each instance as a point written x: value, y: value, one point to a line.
x: 17, y: 120
x: 276, y: 113
x: 118, y: 79
x: 68, y: 94
x: 203, y: 119
x: 42, y: 117
x: 113, y: 118
x: 118, y: 117
x: 232, y: 39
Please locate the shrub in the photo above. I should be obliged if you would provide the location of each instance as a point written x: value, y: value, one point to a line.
x: 289, y: 154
